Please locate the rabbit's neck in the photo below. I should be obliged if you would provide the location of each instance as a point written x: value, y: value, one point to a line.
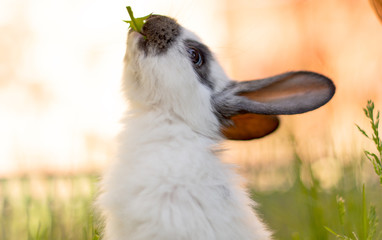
x: 155, y: 131
x: 158, y: 124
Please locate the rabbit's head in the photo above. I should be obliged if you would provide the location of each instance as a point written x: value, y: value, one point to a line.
x: 168, y: 68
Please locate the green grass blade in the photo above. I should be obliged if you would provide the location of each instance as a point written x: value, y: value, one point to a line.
x: 364, y: 215
x: 373, y: 222
x: 362, y: 131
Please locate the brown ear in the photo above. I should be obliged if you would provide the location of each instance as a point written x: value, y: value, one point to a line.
x: 250, y: 126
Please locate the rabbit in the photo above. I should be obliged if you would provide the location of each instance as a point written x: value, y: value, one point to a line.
x: 167, y: 182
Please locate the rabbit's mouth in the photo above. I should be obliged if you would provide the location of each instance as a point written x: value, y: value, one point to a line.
x: 135, y: 34
x: 158, y: 34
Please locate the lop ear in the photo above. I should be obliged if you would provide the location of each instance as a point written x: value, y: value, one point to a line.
x: 250, y: 126
x: 288, y: 93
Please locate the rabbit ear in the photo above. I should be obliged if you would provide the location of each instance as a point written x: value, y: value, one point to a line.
x: 250, y: 126
x: 288, y: 93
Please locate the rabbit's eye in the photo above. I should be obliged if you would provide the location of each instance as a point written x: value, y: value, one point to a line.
x: 195, y: 56
x: 200, y: 56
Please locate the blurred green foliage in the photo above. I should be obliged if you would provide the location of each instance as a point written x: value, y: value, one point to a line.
x: 61, y: 207
x: 304, y: 210
x: 53, y: 207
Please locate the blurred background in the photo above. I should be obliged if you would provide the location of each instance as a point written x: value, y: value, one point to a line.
x: 60, y: 105
x: 61, y: 63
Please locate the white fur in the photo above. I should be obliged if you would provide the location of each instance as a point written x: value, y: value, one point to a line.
x: 167, y: 182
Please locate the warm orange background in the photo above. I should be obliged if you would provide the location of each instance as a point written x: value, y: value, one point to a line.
x: 61, y: 61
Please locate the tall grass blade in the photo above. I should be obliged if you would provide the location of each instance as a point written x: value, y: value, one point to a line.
x: 343, y: 237
x: 364, y: 215
x: 362, y: 131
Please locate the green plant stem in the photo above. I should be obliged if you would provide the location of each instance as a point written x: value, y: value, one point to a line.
x: 132, y: 17
x: 364, y: 214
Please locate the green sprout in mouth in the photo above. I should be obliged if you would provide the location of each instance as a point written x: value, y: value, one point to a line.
x: 136, y: 23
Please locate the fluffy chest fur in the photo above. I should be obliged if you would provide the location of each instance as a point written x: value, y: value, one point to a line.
x: 168, y: 183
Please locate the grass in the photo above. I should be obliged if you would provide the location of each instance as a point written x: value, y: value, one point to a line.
x: 60, y: 207
x: 48, y: 208
x: 304, y: 210
x: 369, y: 218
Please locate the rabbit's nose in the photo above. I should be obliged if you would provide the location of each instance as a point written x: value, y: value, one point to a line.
x: 160, y: 32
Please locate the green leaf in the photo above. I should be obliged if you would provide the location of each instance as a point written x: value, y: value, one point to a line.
x: 377, y: 120
x: 375, y: 159
x: 362, y: 131
x: 373, y: 222
x: 376, y: 163
x: 355, y: 236
x: 337, y: 235
x: 366, y: 112
x: 136, y: 23
x: 370, y: 109
x: 331, y: 231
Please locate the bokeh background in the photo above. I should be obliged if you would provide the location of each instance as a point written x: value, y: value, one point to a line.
x: 61, y: 61
x: 60, y: 105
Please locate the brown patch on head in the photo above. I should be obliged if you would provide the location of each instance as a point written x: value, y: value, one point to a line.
x: 160, y: 32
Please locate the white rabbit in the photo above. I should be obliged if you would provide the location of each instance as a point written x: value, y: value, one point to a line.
x: 167, y: 182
